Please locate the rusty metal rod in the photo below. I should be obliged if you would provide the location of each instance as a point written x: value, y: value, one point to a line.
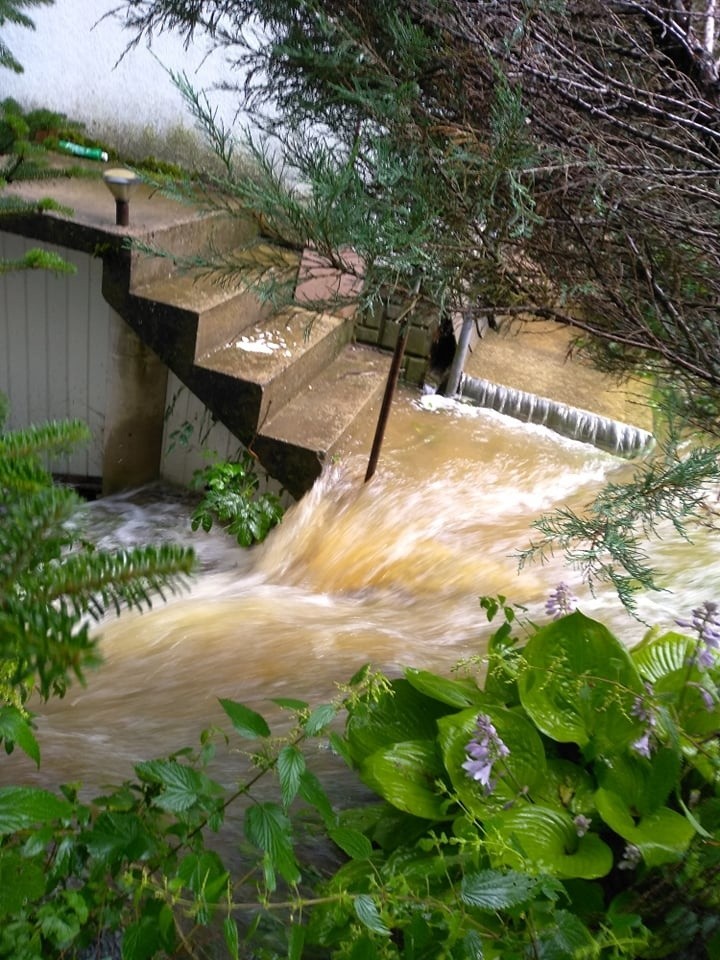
x: 392, y: 380
x: 387, y: 400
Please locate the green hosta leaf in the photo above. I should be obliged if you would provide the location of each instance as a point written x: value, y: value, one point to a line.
x: 496, y: 890
x: 22, y: 807
x: 355, y: 844
x: 664, y: 656
x: 22, y: 881
x: 399, y: 714
x: 665, y: 662
x: 290, y: 768
x: 405, y: 774
x: 16, y: 729
x: 522, y: 770
x: 580, y: 685
x: 662, y: 836
x: 644, y: 784
x: 267, y: 827
x: 567, y: 785
x: 540, y: 840
x: 456, y: 693
x: 367, y: 912
x: 245, y: 721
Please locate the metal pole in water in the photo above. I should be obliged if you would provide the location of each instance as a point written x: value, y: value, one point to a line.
x: 391, y: 384
x: 461, y: 352
x: 387, y: 400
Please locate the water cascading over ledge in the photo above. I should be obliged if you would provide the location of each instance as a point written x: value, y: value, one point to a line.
x: 622, y: 439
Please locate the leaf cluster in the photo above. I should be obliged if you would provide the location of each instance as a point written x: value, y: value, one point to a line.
x: 230, y: 496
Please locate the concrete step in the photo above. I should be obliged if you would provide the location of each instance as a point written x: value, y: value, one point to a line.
x: 294, y: 443
x: 279, y: 355
x: 194, y: 233
x: 220, y: 307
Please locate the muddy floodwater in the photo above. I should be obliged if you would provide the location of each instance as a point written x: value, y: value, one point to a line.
x: 389, y: 573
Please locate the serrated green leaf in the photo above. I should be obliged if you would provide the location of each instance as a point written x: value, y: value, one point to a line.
x: 288, y: 703
x: 267, y: 827
x: 473, y: 946
x: 311, y: 790
x: 183, y: 787
x: 319, y: 718
x: 498, y: 890
x: 22, y: 807
x: 245, y: 721
x: 290, y: 767
x: 204, y: 873
x: 22, y: 881
x: 355, y: 844
x: 16, y: 729
x: 141, y: 940
x: 296, y: 941
x: 567, y: 939
x: 116, y: 834
x: 367, y: 912
x: 232, y: 938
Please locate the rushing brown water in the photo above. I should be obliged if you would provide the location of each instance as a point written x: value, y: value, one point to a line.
x: 389, y: 572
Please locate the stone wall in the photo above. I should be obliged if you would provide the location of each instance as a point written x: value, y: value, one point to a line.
x: 380, y: 328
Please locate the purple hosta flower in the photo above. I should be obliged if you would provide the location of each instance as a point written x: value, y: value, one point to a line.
x: 560, y: 602
x: 646, y: 713
x: 631, y: 857
x: 485, y: 749
x: 706, y: 623
x: 708, y: 697
x: 582, y: 824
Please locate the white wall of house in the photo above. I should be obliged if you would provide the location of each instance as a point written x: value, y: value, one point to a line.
x: 71, y: 66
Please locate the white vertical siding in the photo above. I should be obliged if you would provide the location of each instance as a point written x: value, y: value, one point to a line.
x: 53, y: 348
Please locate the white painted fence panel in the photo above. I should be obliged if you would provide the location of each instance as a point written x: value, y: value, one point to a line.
x: 54, y: 335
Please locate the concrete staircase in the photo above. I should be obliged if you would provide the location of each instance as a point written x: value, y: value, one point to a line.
x: 289, y: 383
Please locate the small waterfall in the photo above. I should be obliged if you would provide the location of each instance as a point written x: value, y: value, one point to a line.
x: 611, y: 435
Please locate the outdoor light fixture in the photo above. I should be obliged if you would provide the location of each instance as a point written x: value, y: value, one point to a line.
x: 120, y: 183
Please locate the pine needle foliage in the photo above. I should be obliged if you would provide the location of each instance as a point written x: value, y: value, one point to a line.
x: 12, y: 12
x: 549, y: 159
x: 53, y: 583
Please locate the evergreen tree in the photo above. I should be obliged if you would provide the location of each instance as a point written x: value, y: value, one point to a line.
x: 53, y: 582
x: 543, y: 159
